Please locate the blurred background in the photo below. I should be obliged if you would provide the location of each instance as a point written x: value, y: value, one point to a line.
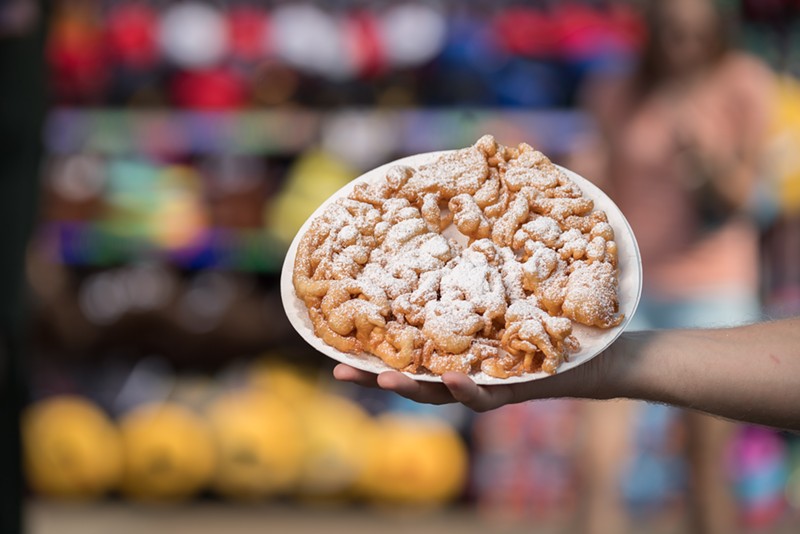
x: 158, y: 157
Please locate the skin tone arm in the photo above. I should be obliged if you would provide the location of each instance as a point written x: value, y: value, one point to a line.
x: 749, y: 373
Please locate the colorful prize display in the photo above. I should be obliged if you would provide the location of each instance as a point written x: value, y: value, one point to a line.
x: 187, y: 142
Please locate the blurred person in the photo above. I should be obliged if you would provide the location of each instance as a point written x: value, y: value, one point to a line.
x: 682, y: 144
x: 684, y: 140
x: 21, y: 115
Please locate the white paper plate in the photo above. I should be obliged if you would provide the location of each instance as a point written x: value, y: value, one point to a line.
x: 593, y: 340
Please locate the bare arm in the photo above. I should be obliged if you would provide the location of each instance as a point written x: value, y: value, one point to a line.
x: 749, y: 373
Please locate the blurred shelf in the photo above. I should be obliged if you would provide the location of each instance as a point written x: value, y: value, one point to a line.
x: 47, y: 518
x: 90, y: 245
x: 124, y: 132
x: 212, y: 517
x: 288, y: 131
x: 365, y: 137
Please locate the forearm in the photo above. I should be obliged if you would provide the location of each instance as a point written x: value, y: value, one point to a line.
x: 749, y: 374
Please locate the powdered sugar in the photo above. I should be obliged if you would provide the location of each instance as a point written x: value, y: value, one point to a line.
x: 474, y: 278
x: 591, y: 296
x: 541, y: 264
x: 463, y: 171
x: 543, y: 229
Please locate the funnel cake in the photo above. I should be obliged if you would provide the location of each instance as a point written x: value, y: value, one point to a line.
x: 378, y: 273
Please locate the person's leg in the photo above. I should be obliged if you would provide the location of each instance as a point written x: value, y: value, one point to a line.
x: 606, y: 449
x: 712, y: 505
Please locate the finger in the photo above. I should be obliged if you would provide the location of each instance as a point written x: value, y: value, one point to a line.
x: 426, y: 392
x: 346, y: 373
x: 478, y: 398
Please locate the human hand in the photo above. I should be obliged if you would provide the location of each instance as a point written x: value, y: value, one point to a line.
x: 585, y: 381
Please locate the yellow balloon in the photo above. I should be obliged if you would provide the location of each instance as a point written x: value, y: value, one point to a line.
x: 335, y: 432
x: 260, y: 445
x: 414, y: 460
x: 311, y: 180
x: 72, y: 449
x: 169, y: 453
x: 290, y: 383
x: 782, y: 161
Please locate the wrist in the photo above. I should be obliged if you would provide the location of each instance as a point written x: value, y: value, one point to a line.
x: 625, y: 371
x: 618, y: 372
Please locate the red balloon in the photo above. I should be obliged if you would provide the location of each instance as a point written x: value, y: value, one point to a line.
x: 132, y: 34
x: 210, y: 89
x: 585, y: 30
x: 77, y: 59
x: 248, y: 35
x: 526, y: 31
x: 364, y: 43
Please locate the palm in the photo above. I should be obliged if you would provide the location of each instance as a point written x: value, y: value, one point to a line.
x: 458, y: 387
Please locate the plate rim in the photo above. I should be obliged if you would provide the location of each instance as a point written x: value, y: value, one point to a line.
x: 360, y: 361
